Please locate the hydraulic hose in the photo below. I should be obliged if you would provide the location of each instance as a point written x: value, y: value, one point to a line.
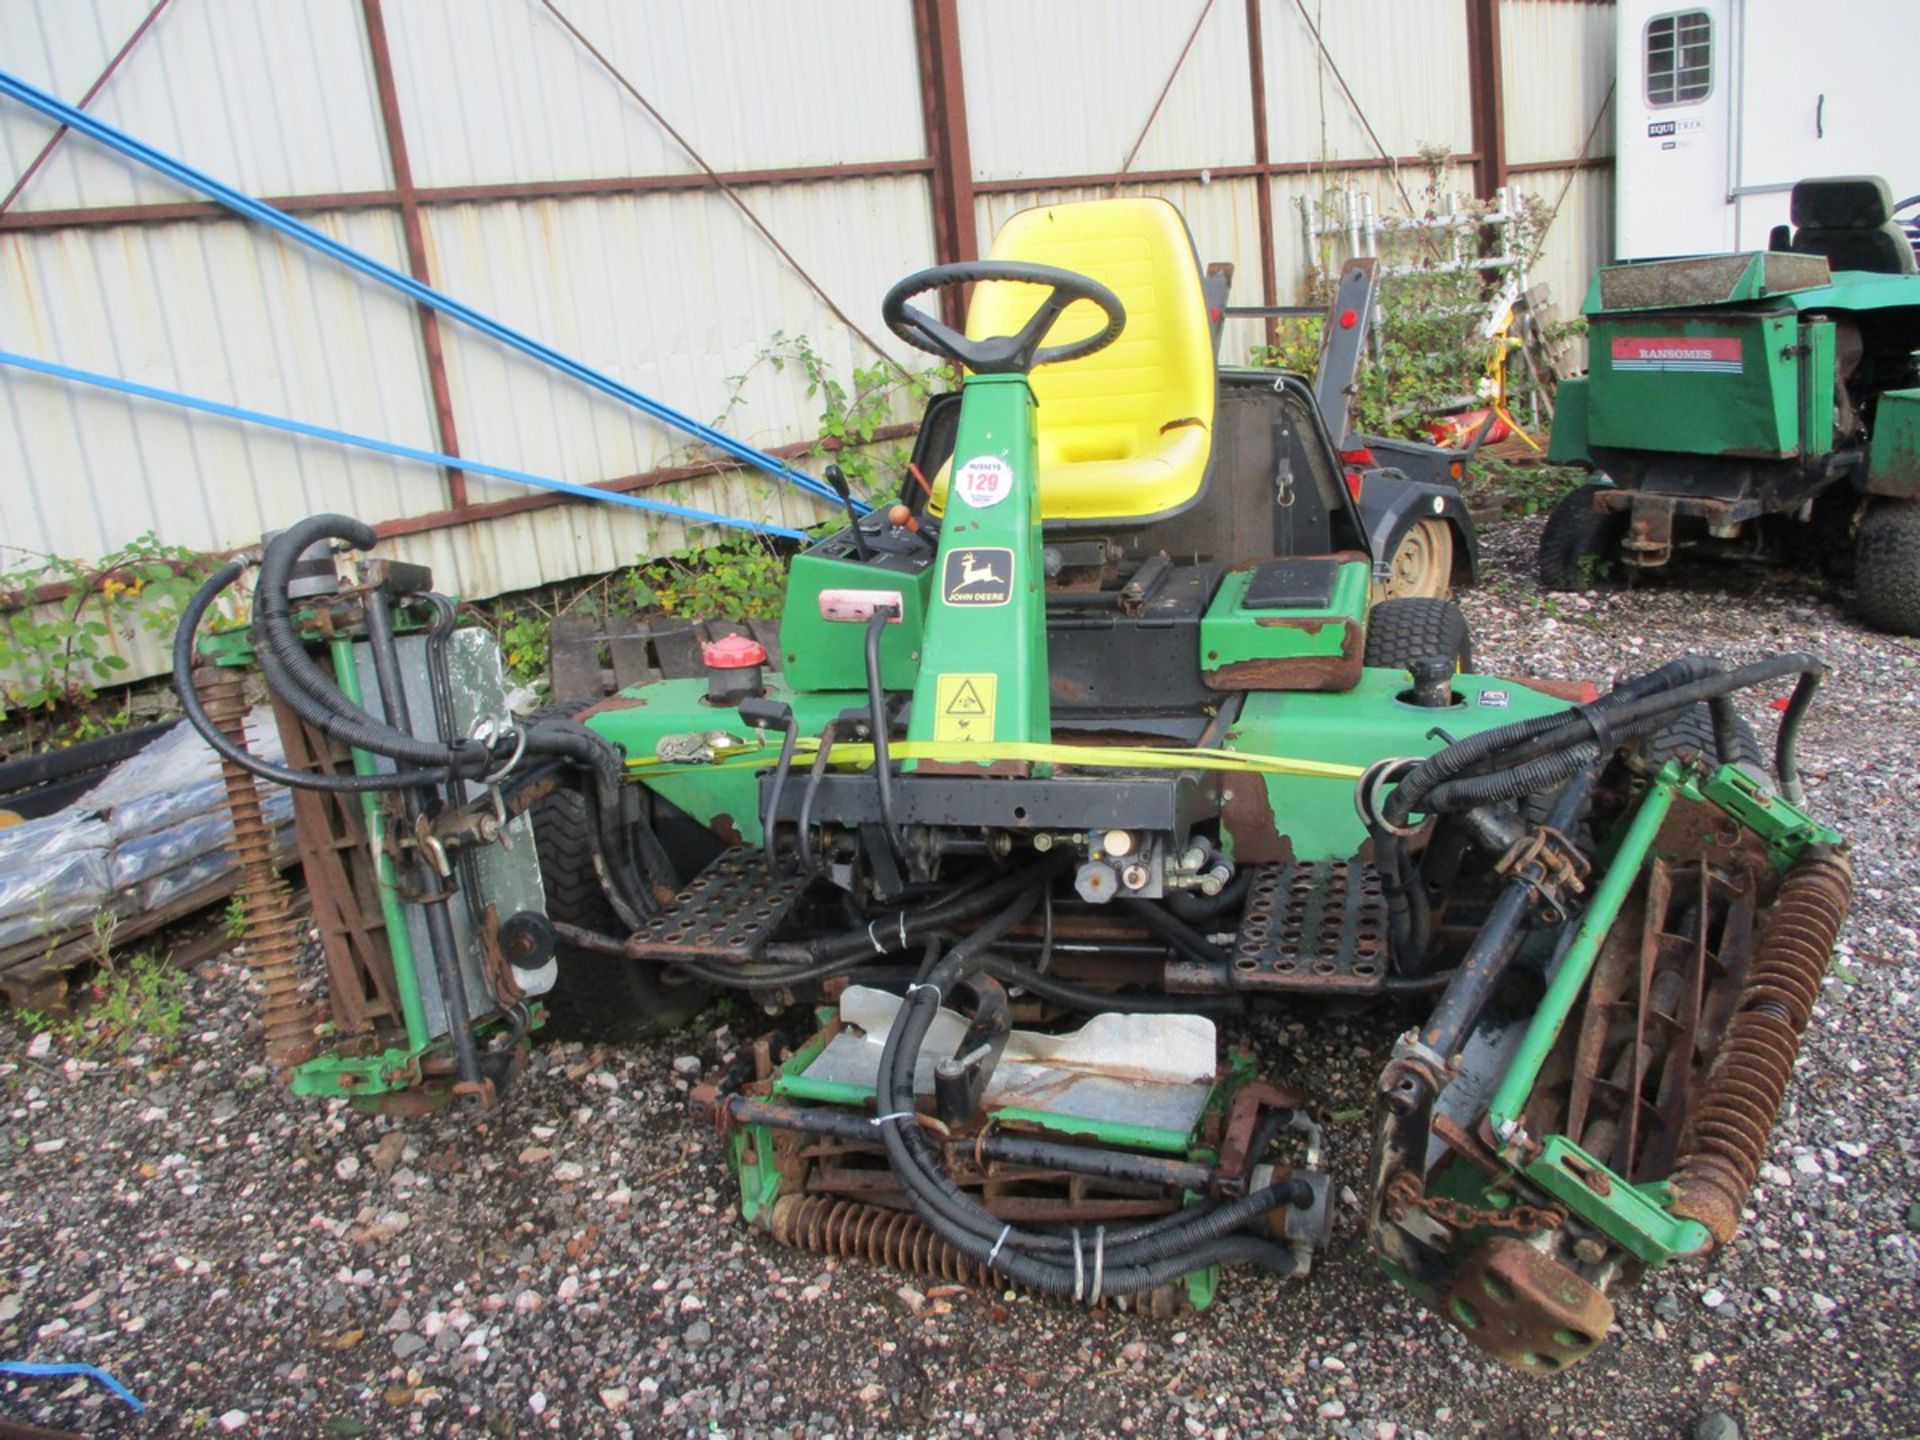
x: 308, y: 688
x: 1539, y: 754
x: 877, y: 712
x: 1182, y: 937
x: 1154, y: 1254
x: 183, y: 641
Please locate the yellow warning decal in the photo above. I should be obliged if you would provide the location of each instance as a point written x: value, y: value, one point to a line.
x: 963, y: 709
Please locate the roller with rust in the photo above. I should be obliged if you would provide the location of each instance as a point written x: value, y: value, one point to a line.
x: 903, y: 1241
x: 274, y: 929
x: 1727, y: 1138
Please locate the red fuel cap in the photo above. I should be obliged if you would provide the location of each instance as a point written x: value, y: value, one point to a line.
x: 734, y: 652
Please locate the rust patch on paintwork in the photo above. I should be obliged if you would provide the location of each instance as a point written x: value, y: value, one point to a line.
x: 1575, y: 692
x: 1014, y: 769
x: 611, y: 703
x: 1345, y: 557
x: 1296, y: 672
x: 1248, y: 820
x: 723, y: 826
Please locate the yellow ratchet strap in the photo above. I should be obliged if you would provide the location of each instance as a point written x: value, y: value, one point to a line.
x: 1119, y: 757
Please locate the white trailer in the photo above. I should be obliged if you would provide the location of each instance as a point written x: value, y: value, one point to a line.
x: 1723, y: 104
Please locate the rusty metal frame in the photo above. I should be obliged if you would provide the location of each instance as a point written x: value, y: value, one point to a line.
x: 396, y: 136
x: 1486, y: 103
x: 943, y: 106
x: 1262, y: 156
x: 164, y: 212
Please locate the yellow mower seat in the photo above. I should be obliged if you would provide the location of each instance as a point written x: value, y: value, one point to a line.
x: 1125, y: 433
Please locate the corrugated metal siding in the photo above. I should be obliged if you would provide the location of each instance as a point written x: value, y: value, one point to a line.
x: 1581, y: 238
x: 1556, y: 67
x: 670, y: 291
x: 218, y: 310
x: 513, y: 97
x: 1064, y: 88
x: 276, y: 99
x: 1406, y: 65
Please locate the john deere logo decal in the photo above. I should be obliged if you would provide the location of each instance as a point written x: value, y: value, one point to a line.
x: 1706, y: 354
x: 978, y: 577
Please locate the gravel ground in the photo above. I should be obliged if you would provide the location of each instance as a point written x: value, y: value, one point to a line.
x: 250, y: 1262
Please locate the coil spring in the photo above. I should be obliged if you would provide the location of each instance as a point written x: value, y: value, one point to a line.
x: 903, y: 1241
x: 275, y: 934
x: 1740, y: 1099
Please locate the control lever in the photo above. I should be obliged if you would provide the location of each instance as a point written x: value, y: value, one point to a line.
x: 840, y: 488
x: 765, y: 714
x: 960, y: 1081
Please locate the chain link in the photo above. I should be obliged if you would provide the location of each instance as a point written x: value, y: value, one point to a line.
x: 1406, y: 1191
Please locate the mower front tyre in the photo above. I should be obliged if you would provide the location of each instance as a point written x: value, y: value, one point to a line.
x: 595, y: 997
x: 1579, y: 546
x: 1886, y: 560
x: 1402, y: 633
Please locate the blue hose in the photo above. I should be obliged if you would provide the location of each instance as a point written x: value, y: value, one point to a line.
x: 382, y: 447
x: 33, y: 1370
x: 256, y: 210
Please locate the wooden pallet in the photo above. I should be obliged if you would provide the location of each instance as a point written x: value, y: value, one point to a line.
x: 589, y: 657
x: 39, y: 974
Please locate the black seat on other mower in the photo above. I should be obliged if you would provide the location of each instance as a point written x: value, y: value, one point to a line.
x: 1848, y: 219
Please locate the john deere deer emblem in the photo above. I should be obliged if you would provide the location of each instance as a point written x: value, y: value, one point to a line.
x: 978, y: 577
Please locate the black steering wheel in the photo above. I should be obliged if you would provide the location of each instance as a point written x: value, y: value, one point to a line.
x: 1001, y: 354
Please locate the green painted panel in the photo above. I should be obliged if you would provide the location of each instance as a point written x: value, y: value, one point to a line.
x: 1725, y: 385
x: 1232, y: 634
x: 821, y: 654
x: 983, y: 675
x: 1816, y: 386
x: 1355, y: 727
x: 724, y: 797
x: 1893, y: 463
x: 1568, y: 443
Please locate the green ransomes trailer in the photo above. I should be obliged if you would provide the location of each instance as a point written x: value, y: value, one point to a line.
x: 1760, y: 405
x: 1075, y: 752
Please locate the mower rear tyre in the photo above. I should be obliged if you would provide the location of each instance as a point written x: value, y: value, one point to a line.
x: 595, y: 997
x: 1886, y: 578
x: 1692, y: 735
x: 1579, y: 545
x: 1401, y: 633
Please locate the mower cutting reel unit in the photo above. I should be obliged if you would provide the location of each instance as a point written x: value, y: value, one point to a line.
x: 1755, y: 405
x: 1082, y: 748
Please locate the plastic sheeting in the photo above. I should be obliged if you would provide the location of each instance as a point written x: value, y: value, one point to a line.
x: 154, y: 830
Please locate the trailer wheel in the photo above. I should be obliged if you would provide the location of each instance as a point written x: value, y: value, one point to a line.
x: 1401, y: 633
x: 1579, y: 545
x: 1886, y: 561
x: 1422, y: 563
x: 596, y: 997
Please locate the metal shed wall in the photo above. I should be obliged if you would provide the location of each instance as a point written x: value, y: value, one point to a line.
x: 486, y: 150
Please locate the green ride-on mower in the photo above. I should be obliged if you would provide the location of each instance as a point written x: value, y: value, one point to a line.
x: 1089, y: 743
x: 1760, y: 405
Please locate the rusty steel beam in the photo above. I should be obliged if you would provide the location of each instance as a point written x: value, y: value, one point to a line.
x: 646, y: 480
x: 1579, y: 162
x: 943, y: 108
x: 1263, y: 181
x: 1485, y: 103
x: 1204, y: 173
x: 168, y: 211
x: 33, y: 166
x: 390, y: 124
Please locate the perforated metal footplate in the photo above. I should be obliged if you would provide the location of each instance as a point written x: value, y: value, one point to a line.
x: 1313, y: 927
x: 727, y: 914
